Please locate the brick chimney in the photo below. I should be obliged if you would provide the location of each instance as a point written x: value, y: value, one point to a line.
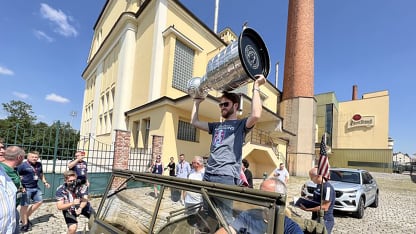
x: 354, y: 92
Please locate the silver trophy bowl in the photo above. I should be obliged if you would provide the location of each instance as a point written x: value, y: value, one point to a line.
x: 234, y: 66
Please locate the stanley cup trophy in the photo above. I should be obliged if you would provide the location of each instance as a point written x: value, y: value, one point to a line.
x: 234, y: 66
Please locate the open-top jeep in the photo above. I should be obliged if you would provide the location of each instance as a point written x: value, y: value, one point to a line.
x: 129, y: 206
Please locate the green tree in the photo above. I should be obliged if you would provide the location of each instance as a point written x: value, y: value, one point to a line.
x: 19, y: 113
x: 19, y: 128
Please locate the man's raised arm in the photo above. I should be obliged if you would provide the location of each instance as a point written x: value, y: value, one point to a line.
x: 256, y: 105
x: 194, y: 116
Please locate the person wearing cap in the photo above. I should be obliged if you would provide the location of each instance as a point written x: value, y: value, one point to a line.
x: 224, y: 162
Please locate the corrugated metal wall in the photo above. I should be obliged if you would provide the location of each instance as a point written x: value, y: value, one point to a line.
x: 376, y: 160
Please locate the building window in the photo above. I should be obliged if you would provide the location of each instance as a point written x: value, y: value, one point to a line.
x: 186, y: 131
x: 145, y: 132
x: 135, y: 133
x: 183, y: 65
x: 329, y: 121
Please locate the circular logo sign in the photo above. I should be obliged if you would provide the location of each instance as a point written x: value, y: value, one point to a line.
x: 252, y: 57
x: 356, y: 117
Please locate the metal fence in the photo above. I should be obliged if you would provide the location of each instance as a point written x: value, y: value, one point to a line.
x: 140, y: 159
x: 57, y: 146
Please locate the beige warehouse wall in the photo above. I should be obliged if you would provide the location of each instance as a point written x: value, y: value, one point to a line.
x: 375, y: 137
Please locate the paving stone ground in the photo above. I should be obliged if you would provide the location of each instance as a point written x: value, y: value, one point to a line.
x: 396, y: 212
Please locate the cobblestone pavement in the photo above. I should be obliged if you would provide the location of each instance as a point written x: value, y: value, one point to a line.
x: 396, y: 212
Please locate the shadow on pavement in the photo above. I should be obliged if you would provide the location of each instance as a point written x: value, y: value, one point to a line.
x: 42, y: 219
x: 413, y: 177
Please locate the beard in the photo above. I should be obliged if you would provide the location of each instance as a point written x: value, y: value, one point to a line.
x: 227, y: 114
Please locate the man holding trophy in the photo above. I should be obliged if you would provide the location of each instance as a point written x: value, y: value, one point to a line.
x: 224, y: 163
x: 243, y: 61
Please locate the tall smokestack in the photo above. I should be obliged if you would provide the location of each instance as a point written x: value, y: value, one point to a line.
x: 299, y: 56
x: 354, y: 92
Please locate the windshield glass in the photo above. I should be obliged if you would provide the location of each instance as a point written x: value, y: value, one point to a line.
x: 345, y: 176
x: 133, y: 207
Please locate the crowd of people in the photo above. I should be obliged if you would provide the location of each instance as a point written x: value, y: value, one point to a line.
x: 19, y: 187
x: 224, y: 165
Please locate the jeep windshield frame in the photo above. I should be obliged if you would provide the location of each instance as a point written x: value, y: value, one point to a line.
x: 120, y: 181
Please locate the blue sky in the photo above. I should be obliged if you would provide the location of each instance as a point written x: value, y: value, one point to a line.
x: 44, y: 46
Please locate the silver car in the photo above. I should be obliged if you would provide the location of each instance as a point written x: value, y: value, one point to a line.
x: 355, y: 190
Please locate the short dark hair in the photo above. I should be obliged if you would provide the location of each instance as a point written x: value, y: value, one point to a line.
x: 245, y: 163
x: 34, y: 152
x: 69, y: 173
x: 235, y: 98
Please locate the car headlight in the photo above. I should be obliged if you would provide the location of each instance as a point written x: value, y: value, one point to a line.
x: 352, y: 193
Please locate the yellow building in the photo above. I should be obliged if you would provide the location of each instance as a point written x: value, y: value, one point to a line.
x: 357, y: 130
x: 141, y: 57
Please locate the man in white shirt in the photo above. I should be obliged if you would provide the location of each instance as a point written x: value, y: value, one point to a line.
x: 281, y: 173
x: 7, y: 204
x: 197, y: 173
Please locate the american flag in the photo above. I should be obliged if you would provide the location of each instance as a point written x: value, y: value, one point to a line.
x: 323, y: 165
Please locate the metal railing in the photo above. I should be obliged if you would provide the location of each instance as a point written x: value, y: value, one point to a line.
x: 263, y: 138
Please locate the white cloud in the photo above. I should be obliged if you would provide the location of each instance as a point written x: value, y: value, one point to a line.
x: 60, y: 19
x: 41, y: 117
x: 43, y: 36
x: 56, y: 98
x: 6, y: 71
x: 20, y: 95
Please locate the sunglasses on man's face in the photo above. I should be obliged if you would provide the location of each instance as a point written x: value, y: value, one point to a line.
x: 224, y: 104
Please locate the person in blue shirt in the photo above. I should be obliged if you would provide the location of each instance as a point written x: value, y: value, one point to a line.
x: 183, y: 169
x: 328, y: 200
x: 31, y: 172
x: 80, y: 167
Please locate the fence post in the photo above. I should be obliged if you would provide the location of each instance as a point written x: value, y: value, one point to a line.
x: 157, y: 143
x: 121, y: 155
x: 55, y: 149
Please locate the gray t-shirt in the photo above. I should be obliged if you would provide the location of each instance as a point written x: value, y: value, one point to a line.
x: 226, y: 147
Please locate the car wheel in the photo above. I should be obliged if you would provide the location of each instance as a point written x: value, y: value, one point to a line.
x: 375, y: 203
x: 360, y: 209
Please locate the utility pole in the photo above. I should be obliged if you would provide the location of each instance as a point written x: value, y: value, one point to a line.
x: 217, y: 3
x: 73, y: 114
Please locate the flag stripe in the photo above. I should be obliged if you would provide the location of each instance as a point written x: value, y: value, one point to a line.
x: 323, y: 164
